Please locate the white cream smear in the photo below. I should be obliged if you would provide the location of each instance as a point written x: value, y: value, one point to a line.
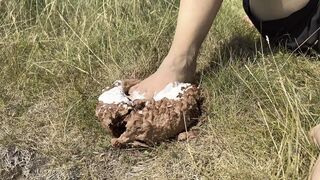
x: 116, y: 95
x: 136, y: 95
x: 172, y: 91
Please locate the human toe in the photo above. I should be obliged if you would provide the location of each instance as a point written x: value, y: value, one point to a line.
x: 133, y: 89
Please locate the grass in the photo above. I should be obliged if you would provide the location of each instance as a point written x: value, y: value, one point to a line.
x: 56, y: 56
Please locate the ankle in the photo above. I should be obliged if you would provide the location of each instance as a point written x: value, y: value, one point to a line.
x: 181, y: 70
x: 179, y: 62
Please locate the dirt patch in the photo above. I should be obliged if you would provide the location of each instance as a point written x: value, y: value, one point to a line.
x: 142, y: 122
x: 18, y: 163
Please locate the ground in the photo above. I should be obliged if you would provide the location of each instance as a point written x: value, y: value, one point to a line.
x: 57, y: 56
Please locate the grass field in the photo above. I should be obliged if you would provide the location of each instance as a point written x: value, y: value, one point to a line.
x: 57, y: 56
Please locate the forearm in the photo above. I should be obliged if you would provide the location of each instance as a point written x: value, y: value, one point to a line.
x: 194, y: 21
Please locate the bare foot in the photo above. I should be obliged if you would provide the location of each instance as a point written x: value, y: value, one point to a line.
x: 315, y: 136
x: 171, y: 70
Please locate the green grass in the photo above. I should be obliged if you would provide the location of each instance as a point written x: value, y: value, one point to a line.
x: 57, y: 56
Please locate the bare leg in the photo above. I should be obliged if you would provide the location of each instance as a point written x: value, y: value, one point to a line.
x: 275, y: 9
x: 315, y: 136
x: 194, y: 21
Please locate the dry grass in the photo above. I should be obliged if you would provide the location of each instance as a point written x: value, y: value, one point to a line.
x: 56, y: 56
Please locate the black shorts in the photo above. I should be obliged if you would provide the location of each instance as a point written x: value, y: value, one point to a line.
x: 299, y: 31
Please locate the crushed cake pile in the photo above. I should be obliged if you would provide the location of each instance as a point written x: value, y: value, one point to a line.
x: 136, y: 121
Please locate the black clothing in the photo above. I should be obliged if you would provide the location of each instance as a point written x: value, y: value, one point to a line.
x: 300, y: 30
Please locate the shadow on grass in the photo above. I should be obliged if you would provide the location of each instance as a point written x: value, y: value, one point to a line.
x: 243, y: 49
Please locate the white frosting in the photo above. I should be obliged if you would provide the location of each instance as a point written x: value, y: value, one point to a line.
x: 171, y: 91
x: 117, y: 96
x: 114, y: 96
x: 136, y: 95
